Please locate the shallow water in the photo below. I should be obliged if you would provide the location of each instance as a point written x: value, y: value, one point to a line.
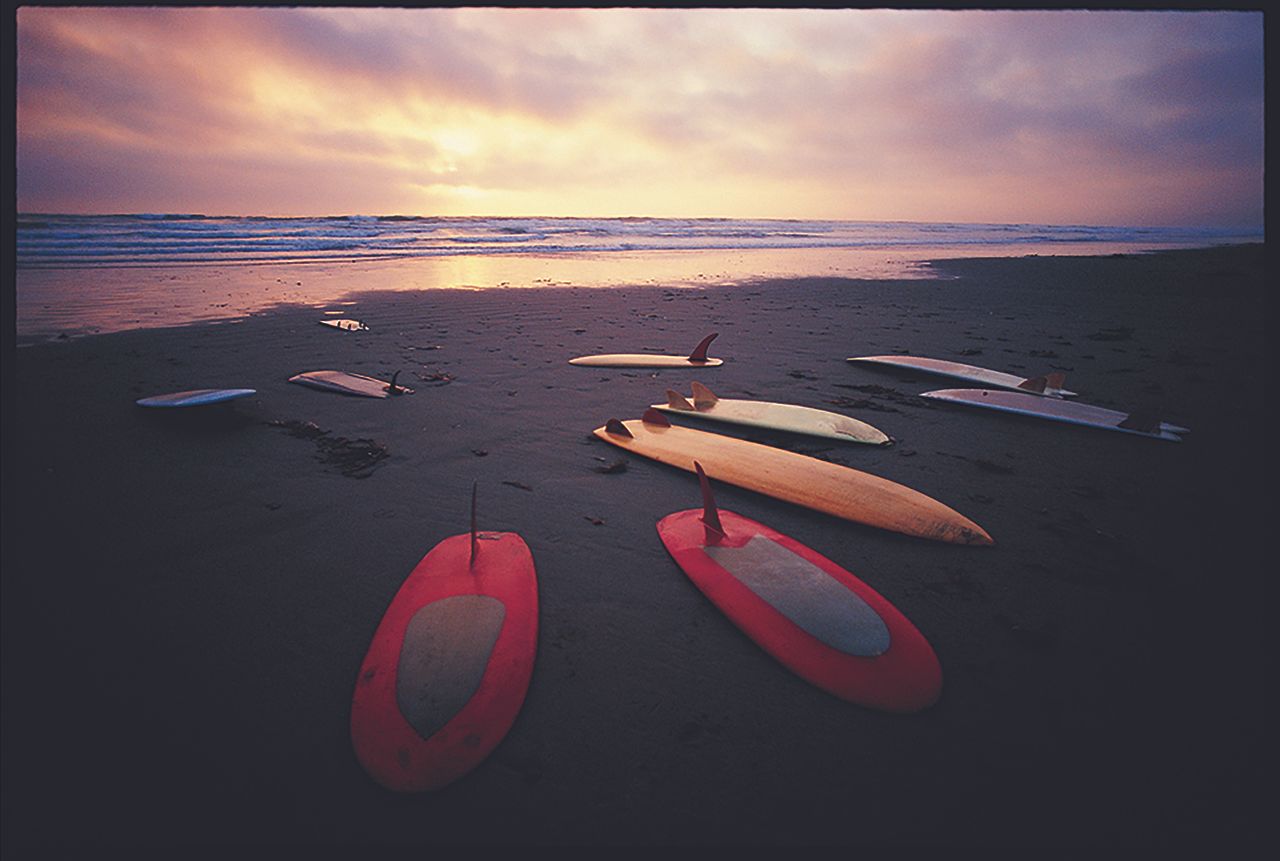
x: 59, y: 303
x: 88, y: 275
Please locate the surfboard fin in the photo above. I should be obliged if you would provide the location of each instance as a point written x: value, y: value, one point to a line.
x: 653, y: 417
x: 703, y: 398
x: 392, y: 388
x: 1053, y: 381
x: 614, y: 426
x: 710, y: 514
x: 1145, y: 421
x: 676, y: 401
x: 475, y: 541
x: 699, y: 353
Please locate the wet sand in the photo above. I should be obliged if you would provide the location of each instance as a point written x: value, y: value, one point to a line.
x: 187, y: 600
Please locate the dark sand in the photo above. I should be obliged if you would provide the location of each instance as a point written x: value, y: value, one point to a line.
x: 186, y: 604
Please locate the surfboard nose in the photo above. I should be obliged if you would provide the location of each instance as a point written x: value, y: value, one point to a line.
x: 955, y: 528
x: 976, y: 535
x: 947, y: 524
x: 925, y: 517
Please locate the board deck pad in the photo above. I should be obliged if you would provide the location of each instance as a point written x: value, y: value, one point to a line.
x: 348, y: 383
x: 803, y: 593
x: 194, y: 398
x: 817, y: 484
x: 449, y: 665
x: 447, y: 646
x: 792, y: 418
x: 1071, y: 412
x: 813, y: 616
x: 961, y: 371
x: 698, y: 358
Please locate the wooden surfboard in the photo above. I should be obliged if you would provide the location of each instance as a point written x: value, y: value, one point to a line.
x: 1075, y: 413
x: 345, y: 324
x: 697, y: 359
x: 450, y: 663
x: 1049, y: 385
x: 813, y: 616
x: 792, y: 418
x: 194, y: 398
x: 803, y: 480
x: 347, y: 383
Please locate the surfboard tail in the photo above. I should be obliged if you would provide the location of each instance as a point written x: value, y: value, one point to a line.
x: 699, y: 353
x: 1146, y: 421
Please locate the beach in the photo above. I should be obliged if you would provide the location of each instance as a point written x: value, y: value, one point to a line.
x: 187, y: 599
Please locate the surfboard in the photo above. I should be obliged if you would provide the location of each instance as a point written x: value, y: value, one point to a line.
x: 1049, y: 385
x: 449, y: 665
x: 696, y: 359
x: 796, y: 478
x: 347, y: 383
x: 1062, y: 411
x: 792, y: 418
x: 194, y: 398
x: 816, y: 618
x: 345, y: 324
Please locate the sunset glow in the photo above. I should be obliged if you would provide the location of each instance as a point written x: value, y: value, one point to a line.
x: 1047, y: 117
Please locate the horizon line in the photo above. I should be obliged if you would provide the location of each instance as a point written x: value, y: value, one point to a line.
x: 1250, y: 228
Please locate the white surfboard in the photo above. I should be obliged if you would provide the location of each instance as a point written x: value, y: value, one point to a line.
x: 697, y: 359
x: 1049, y: 385
x: 792, y: 418
x: 1087, y: 415
x: 348, y: 383
x: 345, y: 324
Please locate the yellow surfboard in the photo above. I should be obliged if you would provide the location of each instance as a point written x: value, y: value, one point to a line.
x: 697, y: 359
x: 797, y: 478
x: 792, y: 418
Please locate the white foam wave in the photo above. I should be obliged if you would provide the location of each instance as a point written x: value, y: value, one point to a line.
x: 150, y: 239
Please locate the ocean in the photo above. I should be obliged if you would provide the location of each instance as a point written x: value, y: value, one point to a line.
x: 82, y: 274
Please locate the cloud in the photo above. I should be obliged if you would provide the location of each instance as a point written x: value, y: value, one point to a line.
x: 827, y: 113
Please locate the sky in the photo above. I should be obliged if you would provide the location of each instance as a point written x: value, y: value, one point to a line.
x: 1054, y: 117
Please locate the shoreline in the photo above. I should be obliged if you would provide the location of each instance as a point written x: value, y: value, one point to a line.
x: 186, y: 603
x: 53, y: 304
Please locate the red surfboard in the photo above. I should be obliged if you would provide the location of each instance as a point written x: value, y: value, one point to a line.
x: 449, y: 665
x: 814, y: 617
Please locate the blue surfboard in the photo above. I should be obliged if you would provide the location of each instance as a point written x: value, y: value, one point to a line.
x: 194, y: 397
